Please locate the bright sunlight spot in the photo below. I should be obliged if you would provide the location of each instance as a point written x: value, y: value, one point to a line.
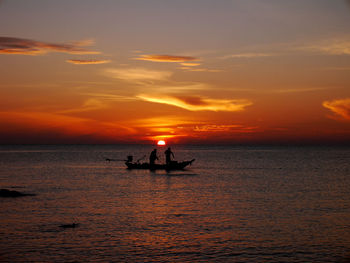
x: 161, y: 142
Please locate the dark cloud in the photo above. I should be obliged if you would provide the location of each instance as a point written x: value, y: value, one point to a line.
x: 13, y: 45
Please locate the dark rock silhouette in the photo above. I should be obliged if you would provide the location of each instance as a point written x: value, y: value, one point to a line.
x: 12, y: 193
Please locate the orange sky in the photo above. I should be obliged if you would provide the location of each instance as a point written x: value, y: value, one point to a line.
x: 257, y: 71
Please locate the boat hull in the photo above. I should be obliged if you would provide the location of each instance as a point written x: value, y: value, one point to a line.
x: 170, y: 166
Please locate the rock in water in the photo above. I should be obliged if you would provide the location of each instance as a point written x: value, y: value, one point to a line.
x: 11, y: 193
x: 74, y: 225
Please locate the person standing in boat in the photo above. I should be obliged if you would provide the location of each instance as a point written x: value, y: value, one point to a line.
x: 168, y: 153
x: 153, y: 157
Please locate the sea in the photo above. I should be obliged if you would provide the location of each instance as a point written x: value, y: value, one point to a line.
x: 233, y: 204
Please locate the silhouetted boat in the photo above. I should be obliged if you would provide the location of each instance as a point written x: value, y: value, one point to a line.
x: 171, y: 166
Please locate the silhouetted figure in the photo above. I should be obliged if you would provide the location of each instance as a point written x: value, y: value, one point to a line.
x: 153, y: 157
x: 168, y: 153
x: 130, y: 158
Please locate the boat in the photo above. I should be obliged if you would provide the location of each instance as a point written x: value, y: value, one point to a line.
x: 173, y: 165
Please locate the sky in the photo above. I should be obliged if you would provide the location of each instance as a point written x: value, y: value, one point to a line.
x: 185, y: 71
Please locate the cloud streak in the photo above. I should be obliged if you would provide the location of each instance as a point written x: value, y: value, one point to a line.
x: 194, y: 103
x: 190, y: 64
x: 334, y: 47
x: 87, y: 61
x: 21, y: 46
x: 223, y: 128
x: 200, y: 69
x: 248, y: 55
x: 89, y: 105
x: 187, y: 63
x: 179, y: 87
x: 296, y: 90
x: 137, y: 74
x: 175, y: 128
x: 340, y: 107
x: 166, y: 58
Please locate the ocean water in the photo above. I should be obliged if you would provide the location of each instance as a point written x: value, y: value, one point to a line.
x: 234, y: 204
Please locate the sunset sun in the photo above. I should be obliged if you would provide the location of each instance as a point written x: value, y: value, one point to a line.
x: 161, y: 143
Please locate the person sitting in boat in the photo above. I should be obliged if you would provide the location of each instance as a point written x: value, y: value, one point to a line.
x: 168, y: 153
x: 153, y: 157
x: 130, y: 158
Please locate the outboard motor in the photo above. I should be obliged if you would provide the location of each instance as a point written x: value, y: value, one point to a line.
x: 129, y: 158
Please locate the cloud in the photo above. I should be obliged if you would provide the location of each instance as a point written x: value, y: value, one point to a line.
x: 190, y: 64
x: 166, y: 58
x: 296, y: 90
x: 87, y: 61
x: 88, y: 105
x: 194, y: 103
x: 215, y: 128
x: 201, y: 69
x: 12, y: 45
x: 223, y: 128
x: 110, y: 97
x: 340, y: 107
x: 138, y: 74
x: 180, y: 87
x: 163, y: 121
x: 248, y: 55
x: 334, y: 47
x: 176, y: 127
x: 185, y: 61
